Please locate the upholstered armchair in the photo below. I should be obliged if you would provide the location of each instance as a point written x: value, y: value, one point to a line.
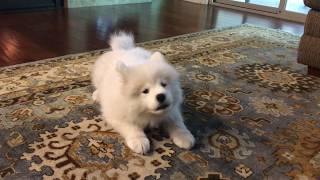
x: 309, y: 48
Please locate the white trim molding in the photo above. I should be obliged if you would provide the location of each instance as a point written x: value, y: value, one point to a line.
x: 199, y: 1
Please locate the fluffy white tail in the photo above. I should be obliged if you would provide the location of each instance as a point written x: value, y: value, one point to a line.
x: 122, y: 41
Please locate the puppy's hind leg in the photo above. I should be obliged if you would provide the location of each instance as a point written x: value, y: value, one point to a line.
x: 178, y: 132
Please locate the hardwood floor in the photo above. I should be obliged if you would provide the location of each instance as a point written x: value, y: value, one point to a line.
x: 31, y: 36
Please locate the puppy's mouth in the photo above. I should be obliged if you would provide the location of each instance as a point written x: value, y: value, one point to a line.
x: 162, y: 107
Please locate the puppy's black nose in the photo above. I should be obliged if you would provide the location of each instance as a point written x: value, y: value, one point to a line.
x: 161, y: 97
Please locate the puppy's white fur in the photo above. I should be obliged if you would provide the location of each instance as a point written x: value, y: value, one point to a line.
x: 128, y: 81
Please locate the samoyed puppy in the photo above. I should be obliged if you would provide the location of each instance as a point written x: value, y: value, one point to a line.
x: 138, y: 89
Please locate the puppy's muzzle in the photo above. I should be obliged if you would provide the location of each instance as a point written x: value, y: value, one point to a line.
x: 162, y: 106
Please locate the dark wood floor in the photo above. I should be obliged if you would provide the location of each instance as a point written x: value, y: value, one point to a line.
x: 31, y: 36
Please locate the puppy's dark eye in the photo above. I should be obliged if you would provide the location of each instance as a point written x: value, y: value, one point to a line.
x: 145, y: 91
x: 163, y: 84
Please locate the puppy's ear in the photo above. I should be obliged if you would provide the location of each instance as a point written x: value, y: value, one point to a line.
x: 157, y: 56
x: 122, y: 68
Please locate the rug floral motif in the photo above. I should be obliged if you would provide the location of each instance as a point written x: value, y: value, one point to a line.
x: 254, y: 111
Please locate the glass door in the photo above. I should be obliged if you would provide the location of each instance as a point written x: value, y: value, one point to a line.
x: 294, y: 10
x: 272, y: 6
x: 297, y: 6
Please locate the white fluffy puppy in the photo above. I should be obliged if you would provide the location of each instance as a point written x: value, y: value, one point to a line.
x: 138, y: 89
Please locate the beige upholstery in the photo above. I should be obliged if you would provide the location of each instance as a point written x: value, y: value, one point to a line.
x: 309, y: 48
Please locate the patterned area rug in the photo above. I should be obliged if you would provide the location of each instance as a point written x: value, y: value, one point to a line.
x: 254, y: 111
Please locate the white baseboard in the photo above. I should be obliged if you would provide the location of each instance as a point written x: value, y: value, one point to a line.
x: 87, y: 3
x: 199, y: 1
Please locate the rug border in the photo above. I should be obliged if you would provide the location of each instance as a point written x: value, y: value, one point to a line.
x: 151, y: 41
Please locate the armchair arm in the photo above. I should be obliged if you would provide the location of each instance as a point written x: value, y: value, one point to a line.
x: 313, y: 4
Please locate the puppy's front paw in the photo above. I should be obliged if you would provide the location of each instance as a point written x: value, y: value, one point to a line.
x: 183, y: 139
x: 139, y: 145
